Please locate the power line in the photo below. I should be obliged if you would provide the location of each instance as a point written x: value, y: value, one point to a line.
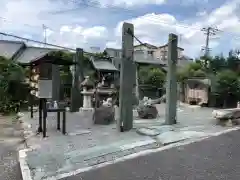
x: 36, y: 41
x: 46, y: 44
x: 96, y: 4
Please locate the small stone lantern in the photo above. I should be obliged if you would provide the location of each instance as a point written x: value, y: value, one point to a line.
x: 87, y: 93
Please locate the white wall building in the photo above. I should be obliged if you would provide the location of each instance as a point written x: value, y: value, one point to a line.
x: 147, y: 52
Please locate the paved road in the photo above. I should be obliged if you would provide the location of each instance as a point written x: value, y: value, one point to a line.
x: 217, y: 158
x: 10, y: 140
x: 9, y: 166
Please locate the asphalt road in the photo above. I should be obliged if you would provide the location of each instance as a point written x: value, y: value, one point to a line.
x: 9, y: 165
x: 10, y: 141
x: 216, y: 158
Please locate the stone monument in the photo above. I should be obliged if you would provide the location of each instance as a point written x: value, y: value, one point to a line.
x: 87, y: 93
x: 104, y: 112
x: 146, y: 110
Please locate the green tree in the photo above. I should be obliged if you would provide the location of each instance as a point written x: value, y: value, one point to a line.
x: 227, y: 85
x: 218, y: 63
x: 152, y: 76
x: 192, y: 70
x: 232, y: 61
x: 11, y: 75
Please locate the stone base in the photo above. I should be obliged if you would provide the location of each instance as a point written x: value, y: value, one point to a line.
x: 85, y: 109
x: 104, y: 115
x: 147, y: 112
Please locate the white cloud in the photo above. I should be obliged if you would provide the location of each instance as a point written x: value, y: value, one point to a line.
x: 154, y: 28
x: 27, y: 16
x: 201, y: 13
x: 74, y: 30
x: 129, y: 3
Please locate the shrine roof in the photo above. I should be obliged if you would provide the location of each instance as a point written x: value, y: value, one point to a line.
x: 103, y: 64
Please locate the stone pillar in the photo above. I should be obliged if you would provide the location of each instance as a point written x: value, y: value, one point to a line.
x: 171, y: 89
x: 76, y: 97
x: 127, y: 79
x: 137, y: 83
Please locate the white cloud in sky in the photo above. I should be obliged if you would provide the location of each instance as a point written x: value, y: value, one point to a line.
x: 73, y: 30
x: 130, y: 3
x: 156, y: 27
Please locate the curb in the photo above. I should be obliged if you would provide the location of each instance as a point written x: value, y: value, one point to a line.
x: 26, y: 173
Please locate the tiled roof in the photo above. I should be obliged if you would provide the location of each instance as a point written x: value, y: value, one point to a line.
x: 140, y: 58
x: 9, y: 48
x: 167, y: 45
x: 31, y: 54
x: 147, y: 45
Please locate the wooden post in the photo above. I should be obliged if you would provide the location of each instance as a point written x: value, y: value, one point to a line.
x: 127, y: 79
x: 171, y: 89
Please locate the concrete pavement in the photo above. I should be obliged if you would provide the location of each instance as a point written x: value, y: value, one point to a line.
x: 215, y: 158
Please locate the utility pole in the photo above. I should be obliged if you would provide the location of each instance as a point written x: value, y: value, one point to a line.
x: 209, y: 31
x: 45, y: 34
x: 180, y: 40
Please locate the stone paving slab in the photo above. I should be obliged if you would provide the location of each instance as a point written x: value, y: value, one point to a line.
x: 47, y: 165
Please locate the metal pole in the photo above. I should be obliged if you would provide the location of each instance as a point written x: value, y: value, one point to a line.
x: 44, y: 118
x: 171, y: 90
x: 58, y: 120
x: 64, y: 123
x: 40, y: 116
x: 30, y: 95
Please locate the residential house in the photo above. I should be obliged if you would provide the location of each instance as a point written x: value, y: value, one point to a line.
x: 162, y: 52
x: 147, y: 49
x: 115, y: 53
x: 149, y: 54
x: 141, y: 56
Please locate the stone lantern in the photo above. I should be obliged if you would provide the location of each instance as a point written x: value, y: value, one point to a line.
x: 87, y: 93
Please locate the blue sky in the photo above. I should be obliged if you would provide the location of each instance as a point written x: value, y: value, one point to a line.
x: 100, y: 26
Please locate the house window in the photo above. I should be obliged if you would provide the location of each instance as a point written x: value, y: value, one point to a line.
x: 150, y: 52
x: 116, y: 54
